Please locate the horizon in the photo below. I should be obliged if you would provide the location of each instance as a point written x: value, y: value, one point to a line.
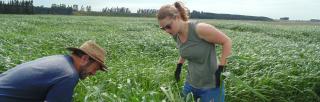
x: 294, y: 9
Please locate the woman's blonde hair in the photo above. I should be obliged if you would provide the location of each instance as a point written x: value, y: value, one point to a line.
x: 177, y: 9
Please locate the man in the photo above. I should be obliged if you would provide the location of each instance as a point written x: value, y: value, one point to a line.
x: 51, y: 78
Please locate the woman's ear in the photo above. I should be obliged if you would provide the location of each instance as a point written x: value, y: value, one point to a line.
x: 176, y: 17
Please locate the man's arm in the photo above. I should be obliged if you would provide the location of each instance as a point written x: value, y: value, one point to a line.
x: 62, y: 91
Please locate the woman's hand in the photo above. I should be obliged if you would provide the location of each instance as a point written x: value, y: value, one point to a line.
x: 220, y: 69
x: 177, y: 72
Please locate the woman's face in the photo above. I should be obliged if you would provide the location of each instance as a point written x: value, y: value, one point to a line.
x: 169, y: 24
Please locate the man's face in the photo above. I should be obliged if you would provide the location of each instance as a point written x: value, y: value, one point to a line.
x: 88, y: 69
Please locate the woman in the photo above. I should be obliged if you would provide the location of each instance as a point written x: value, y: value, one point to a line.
x: 196, y: 43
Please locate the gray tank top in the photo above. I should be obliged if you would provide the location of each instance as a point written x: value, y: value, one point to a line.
x: 201, y: 57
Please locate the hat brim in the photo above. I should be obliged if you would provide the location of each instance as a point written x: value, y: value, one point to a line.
x: 103, y: 68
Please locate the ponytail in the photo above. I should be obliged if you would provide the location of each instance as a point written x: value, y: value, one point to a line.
x: 177, y: 9
x: 183, y: 11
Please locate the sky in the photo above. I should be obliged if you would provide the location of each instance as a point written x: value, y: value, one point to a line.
x: 294, y: 9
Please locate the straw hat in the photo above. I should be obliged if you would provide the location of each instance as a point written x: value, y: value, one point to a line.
x: 94, y: 51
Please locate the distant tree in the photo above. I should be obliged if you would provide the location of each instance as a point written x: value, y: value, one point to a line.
x: 1, y: 7
x: 82, y: 9
x: 116, y: 10
x: 26, y: 7
x: 88, y: 8
x: 284, y: 18
x: 147, y: 12
x: 206, y: 15
x: 16, y: 7
x: 75, y: 8
x: 62, y: 6
x: 61, y: 9
x: 315, y: 20
x: 42, y: 10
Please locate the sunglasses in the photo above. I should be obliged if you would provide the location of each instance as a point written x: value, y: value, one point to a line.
x: 168, y: 26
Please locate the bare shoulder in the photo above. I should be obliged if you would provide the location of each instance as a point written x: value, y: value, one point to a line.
x: 203, y: 29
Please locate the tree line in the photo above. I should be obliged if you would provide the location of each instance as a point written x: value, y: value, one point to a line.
x: 26, y: 7
x: 54, y: 9
x: 206, y: 15
x: 119, y: 11
x: 16, y: 7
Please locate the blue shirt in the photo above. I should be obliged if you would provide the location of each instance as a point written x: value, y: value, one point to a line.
x: 50, y: 79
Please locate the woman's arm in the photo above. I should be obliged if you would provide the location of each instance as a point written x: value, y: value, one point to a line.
x: 213, y: 35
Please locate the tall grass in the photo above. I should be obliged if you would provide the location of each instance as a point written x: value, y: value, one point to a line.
x: 271, y: 61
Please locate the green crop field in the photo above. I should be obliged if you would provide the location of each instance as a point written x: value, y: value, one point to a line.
x: 271, y: 61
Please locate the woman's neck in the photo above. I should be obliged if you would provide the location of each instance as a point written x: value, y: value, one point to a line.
x: 183, y: 28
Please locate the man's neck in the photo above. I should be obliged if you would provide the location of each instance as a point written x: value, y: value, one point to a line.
x: 76, y: 62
